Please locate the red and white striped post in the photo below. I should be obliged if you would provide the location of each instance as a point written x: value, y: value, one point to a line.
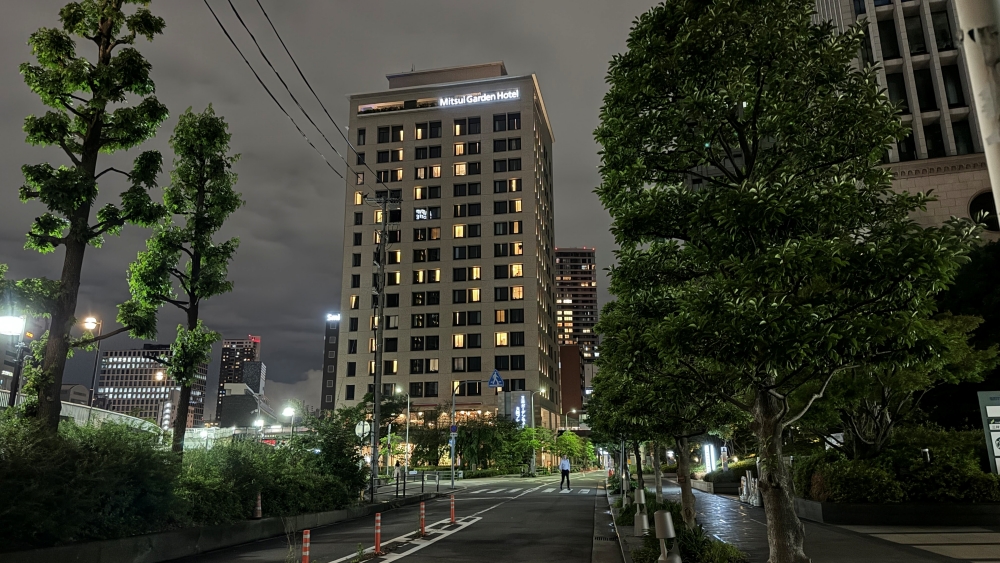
x: 378, y: 533
x: 422, y: 533
x: 452, y: 509
x: 305, y: 546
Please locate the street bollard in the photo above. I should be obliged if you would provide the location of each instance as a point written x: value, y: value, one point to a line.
x: 422, y: 479
x: 404, y: 485
x: 437, y: 479
x: 422, y: 532
x: 665, y: 531
x: 305, y: 546
x: 257, y: 512
x: 641, y: 521
x: 452, y: 509
x: 397, y: 488
x: 378, y: 533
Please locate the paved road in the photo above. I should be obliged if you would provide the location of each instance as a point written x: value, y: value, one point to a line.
x: 497, y: 519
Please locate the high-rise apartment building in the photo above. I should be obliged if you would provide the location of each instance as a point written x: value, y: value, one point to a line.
x: 134, y: 383
x: 234, y: 353
x: 328, y: 393
x: 576, y: 299
x: 917, y: 45
x: 470, y: 267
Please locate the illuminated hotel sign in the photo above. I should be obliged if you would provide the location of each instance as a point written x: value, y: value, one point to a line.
x: 480, y: 98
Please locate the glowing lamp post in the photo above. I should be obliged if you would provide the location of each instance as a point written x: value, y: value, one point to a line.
x: 290, y: 413
x: 11, y: 325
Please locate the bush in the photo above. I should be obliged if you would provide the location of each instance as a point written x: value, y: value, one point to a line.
x: 695, y: 545
x: 850, y: 481
x: 736, y: 472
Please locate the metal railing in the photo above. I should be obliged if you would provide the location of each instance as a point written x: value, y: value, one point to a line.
x: 83, y: 415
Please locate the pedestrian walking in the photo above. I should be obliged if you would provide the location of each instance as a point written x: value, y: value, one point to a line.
x: 564, y: 467
x: 397, y: 473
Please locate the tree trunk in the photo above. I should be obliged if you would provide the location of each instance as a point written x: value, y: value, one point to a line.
x: 688, y: 511
x: 785, y: 532
x: 657, y: 474
x: 180, y: 420
x: 638, y: 466
x: 186, y: 379
x: 63, y: 319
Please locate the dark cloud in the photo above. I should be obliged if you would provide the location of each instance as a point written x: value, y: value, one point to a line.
x: 287, y: 272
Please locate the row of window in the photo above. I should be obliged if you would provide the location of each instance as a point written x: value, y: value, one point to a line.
x: 434, y: 151
x: 430, y: 343
x: 458, y: 231
x: 432, y: 129
x: 434, y: 192
x: 473, y: 273
x: 514, y: 362
x: 923, y: 83
x: 434, y: 171
x: 468, y: 295
x: 430, y: 388
x: 433, y: 320
x: 915, y: 37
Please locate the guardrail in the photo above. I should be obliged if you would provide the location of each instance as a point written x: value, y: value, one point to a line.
x: 83, y: 415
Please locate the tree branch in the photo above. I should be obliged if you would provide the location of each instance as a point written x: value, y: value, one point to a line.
x: 816, y: 396
x: 113, y: 169
x: 89, y: 341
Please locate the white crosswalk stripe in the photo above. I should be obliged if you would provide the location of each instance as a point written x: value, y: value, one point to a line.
x: 493, y: 492
x: 549, y: 490
x: 584, y: 491
x: 515, y: 490
x: 564, y: 491
x: 479, y: 491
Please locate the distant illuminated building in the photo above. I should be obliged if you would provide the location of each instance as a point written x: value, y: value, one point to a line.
x: 576, y: 299
x: 234, y: 353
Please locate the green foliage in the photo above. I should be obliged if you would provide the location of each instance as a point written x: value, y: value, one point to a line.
x: 488, y: 442
x: 570, y: 445
x: 695, y: 545
x: 736, y: 471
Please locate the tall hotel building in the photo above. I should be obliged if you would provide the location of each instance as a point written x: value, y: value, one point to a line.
x: 917, y: 45
x: 576, y: 299
x: 471, y: 257
x: 134, y: 383
x: 234, y: 353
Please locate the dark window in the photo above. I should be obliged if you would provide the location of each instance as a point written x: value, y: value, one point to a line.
x: 391, y: 344
x: 517, y: 315
x: 355, y: 260
x: 433, y: 342
x: 433, y: 254
x: 458, y: 296
x: 907, y: 150
x: 392, y: 300
x: 963, y: 137
x: 514, y: 144
x: 499, y: 207
x: 435, y: 129
x: 357, y: 239
x: 361, y: 137
x: 942, y: 31
x: 435, y: 151
x: 416, y: 366
x: 460, y: 190
x: 475, y: 126
x: 500, y: 272
x: 419, y: 299
x: 500, y: 293
x: 499, y: 165
x: 475, y: 318
x: 475, y: 230
x: 517, y: 362
x: 475, y: 209
x: 431, y: 389
x: 473, y: 148
x: 420, y: 153
x: 457, y: 364
x: 352, y: 369
x: 416, y: 321
x: 433, y: 297
x: 500, y: 249
x: 896, y: 88
x: 474, y: 341
x: 474, y: 364
x: 419, y: 235
x: 352, y: 324
x: 349, y: 393
x: 924, y: 84
x: 355, y: 280
x: 460, y: 210
x: 500, y: 228
x: 513, y: 121
x: 953, y: 86
x: 517, y: 339
x: 934, y: 141
x: 352, y: 346
x: 388, y: 368
x: 888, y: 40
x: 475, y: 188
x: 416, y: 389
x: 915, y: 34
x: 459, y: 253
x: 475, y: 168
x: 500, y: 122
x: 419, y: 255
x: 383, y: 134
x: 395, y: 236
x: 514, y: 164
x: 458, y: 274
x: 499, y: 145
x: 416, y: 343
x: 361, y: 158
x: 501, y: 363
x: 475, y: 251
x: 474, y: 388
x: 499, y: 186
x: 511, y: 384
x: 397, y: 133
x: 433, y: 320
x: 382, y: 176
x: 867, y: 55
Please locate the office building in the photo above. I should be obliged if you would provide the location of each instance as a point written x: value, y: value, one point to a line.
x: 134, y: 383
x: 576, y: 299
x: 470, y: 267
x: 923, y: 67
x: 573, y: 379
x: 328, y: 392
x: 234, y: 353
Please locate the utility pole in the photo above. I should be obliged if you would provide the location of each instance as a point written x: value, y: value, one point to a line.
x: 979, y: 24
x: 378, y: 291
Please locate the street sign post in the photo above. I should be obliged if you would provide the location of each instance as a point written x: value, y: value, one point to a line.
x: 496, y: 382
x: 362, y: 429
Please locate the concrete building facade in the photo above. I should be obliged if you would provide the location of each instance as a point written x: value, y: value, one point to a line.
x: 235, y: 352
x: 470, y: 266
x: 917, y: 45
x: 576, y: 299
x: 328, y: 393
x: 132, y: 382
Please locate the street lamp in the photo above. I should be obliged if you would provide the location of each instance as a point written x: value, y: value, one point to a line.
x: 11, y: 325
x: 290, y: 413
x: 90, y: 323
x: 159, y: 375
x: 406, y: 456
x: 259, y: 425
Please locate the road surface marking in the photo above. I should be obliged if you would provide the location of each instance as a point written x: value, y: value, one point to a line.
x: 549, y: 490
x: 419, y: 543
x: 584, y: 491
x: 482, y: 491
x: 496, y: 491
x: 564, y: 491
x: 515, y: 490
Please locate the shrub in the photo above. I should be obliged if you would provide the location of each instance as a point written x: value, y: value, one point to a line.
x: 852, y: 481
x: 736, y: 472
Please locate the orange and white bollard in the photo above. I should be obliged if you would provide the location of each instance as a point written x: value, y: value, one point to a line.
x: 452, y: 509
x: 422, y: 532
x: 378, y: 533
x: 305, y: 546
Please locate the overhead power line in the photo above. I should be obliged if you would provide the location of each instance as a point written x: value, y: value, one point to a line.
x: 268, y: 90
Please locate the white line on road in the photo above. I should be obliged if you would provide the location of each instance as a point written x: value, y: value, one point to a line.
x: 584, y: 491
x: 480, y: 491
x: 549, y: 490
x: 515, y: 490
x: 494, y: 492
x: 564, y: 491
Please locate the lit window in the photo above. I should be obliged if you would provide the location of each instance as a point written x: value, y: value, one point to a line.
x: 517, y: 292
x: 517, y: 270
x: 515, y: 206
x: 501, y: 316
x: 358, y: 198
x: 359, y: 178
x: 458, y: 341
x: 419, y: 193
x: 433, y: 276
x: 461, y: 169
x: 475, y: 295
x: 475, y: 273
x: 432, y: 365
x: 501, y: 339
x: 459, y: 149
x: 436, y: 171
x: 371, y: 344
x: 514, y: 185
x: 516, y: 248
x: 355, y: 302
x: 459, y: 231
x: 420, y: 276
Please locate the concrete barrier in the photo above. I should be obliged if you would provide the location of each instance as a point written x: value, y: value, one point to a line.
x: 902, y: 514
x: 166, y: 546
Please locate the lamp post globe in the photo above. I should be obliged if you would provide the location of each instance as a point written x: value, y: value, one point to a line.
x: 90, y: 323
x: 11, y: 325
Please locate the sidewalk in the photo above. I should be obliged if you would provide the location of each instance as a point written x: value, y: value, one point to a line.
x: 744, y: 526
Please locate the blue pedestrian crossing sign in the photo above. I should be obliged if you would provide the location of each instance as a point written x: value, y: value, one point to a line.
x: 495, y: 380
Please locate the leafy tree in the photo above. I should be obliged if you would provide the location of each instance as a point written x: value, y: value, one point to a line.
x: 570, y: 445
x: 741, y: 166
x: 182, y: 264
x: 97, y: 106
x: 429, y: 439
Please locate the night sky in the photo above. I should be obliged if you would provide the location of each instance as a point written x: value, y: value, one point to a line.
x: 287, y: 272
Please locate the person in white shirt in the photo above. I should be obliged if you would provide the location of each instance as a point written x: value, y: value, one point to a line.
x: 564, y: 467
